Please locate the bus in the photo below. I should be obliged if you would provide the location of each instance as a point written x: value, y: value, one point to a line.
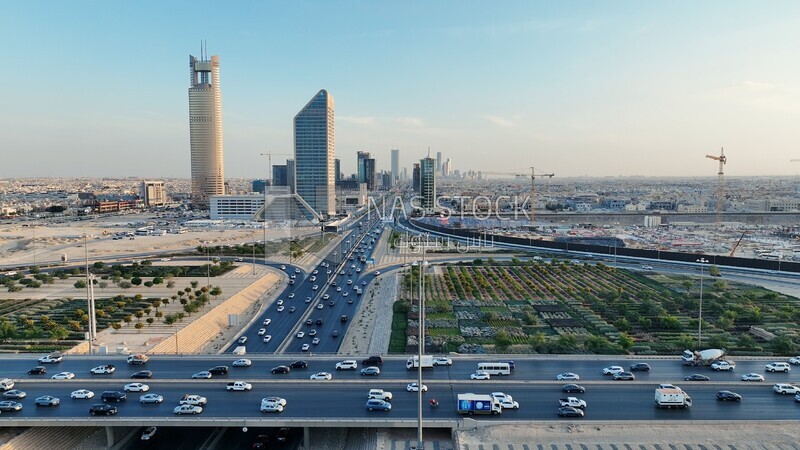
x: 495, y: 368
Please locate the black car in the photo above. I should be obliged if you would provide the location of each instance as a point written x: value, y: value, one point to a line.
x: 320, y: 322
x: 146, y: 374
x: 573, y: 388
x: 113, y: 396
x: 335, y: 333
x: 728, y: 396
x: 299, y: 365
x: 696, y: 377
x: 282, y: 434
x: 281, y: 369
x: 38, y: 370
x: 103, y: 410
x: 260, y: 442
x: 219, y: 370
x: 569, y: 411
x: 372, y: 361
x: 640, y: 367
x: 343, y: 319
x: 510, y: 363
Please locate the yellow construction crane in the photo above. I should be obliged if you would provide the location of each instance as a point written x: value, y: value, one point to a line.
x: 533, y: 176
x: 720, y: 181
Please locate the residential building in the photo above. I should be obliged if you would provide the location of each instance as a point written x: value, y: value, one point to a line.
x: 205, y: 130
x: 314, y: 153
x: 153, y: 193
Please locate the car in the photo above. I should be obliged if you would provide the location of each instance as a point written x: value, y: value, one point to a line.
x: 359, y: 271
x: 377, y: 404
x: 239, y: 259
x: 782, y: 388
x: 219, y: 370
x: 10, y: 406
x: 315, y: 341
x: 38, y: 370
x: 696, y: 377
x: 282, y: 266
x: 281, y: 308
x: 331, y: 303
x: 315, y: 272
x: 104, y: 369
x: 296, y: 270
x: 308, y: 299
x: 573, y: 388
x: 480, y: 375
x: 320, y: 306
x: 314, y: 287
x: 377, y: 272
x: 142, y: 374
x: 640, y: 367
x: 508, y: 404
x: 63, y: 376
x: 47, y: 400
x: 338, y: 289
x: 278, y: 400
x: 319, y: 321
x: 335, y: 333
x: 51, y: 359
x: 262, y: 331
x: 281, y: 369
x: 81, y: 393
x: 349, y: 282
x: 568, y: 376
x: 794, y: 360
x: 244, y: 362
x: 148, y: 433
x: 136, y: 387
x: 282, y: 435
x: 267, y: 322
x: 292, y: 309
x: 166, y: 259
x: 752, y: 377
x: 299, y: 365
x: 15, y: 393
x: 291, y: 295
x: 613, y: 370
x: 313, y: 332
x: 349, y: 301
x: 569, y: 411
x: 777, y: 367
x: 202, y: 375
x: 363, y: 283
x: 267, y: 338
x: 243, y: 340
x: 187, y: 409
x: 624, y: 376
x: 349, y: 364
x: 268, y: 405
x: 321, y: 376
x: 280, y: 302
x: 260, y: 442
x: 326, y: 296
x: 150, y: 398
x: 304, y: 348
x: 728, y: 396
x: 301, y: 334
x: 372, y: 370
x: 414, y: 387
x: 102, y: 409
x: 442, y: 361
x: 192, y: 399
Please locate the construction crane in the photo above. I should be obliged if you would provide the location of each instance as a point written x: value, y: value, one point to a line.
x: 720, y: 182
x: 735, y: 246
x: 533, y: 176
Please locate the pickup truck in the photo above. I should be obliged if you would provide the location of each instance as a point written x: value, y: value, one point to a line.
x: 192, y: 399
x: 104, y: 369
x: 239, y: 386
x: 572, y: 401
x: 723, y: 365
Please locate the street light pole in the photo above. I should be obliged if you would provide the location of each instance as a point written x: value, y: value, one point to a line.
x: 208, y: 265
x: 702, y: 261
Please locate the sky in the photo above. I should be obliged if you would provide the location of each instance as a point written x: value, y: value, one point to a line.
x: 579, y: 88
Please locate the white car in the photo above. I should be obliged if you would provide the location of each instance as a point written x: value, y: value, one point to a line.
x: 51, y: 359
x: 315, y: 341
x: 136, y: 387
x: 319, y: 306
x: 304, y: 348
x: 291, y: 295
x: 315, y: 272
x: 187, y: 409
x: 301, y: 334
x: 314, y: 287
x: 267, y: 406
x: 63, y: 376
x: 321, y: 376
x: 148, y: 433
x: 794, y: 360
x: 267, y: 338
x: 151, y: 398
x: 752, y: 377
x: 782, y: 388
x: 344, y: 294
x: 377, y: 272
x: 413, y: 387
x: 508, y: 404
x: 338, y: 289
x: 326, y: 296
x: 244, y: 362
x: 308, y: 299
x: 349, y: 364
x: 442, y: 361
x: 82, y: 393
x: 280, y: 308
x: 502, y: 396
x: 479, y: 375
x: 568, y: 376
x: 204, y: 375
x: 262, y: 331
x: 613, y: 370
x: 280, y: 302
x: 777, y: 367
x: 267, y: 322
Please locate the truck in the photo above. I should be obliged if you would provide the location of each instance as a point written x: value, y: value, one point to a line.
x: 672, y: 398
x: 703, y: 357
x: 193, y: 399
x: 575, y: 402
x: 138, y: 359
x: 240, y: 350
x: 723, y: 365
x: 359, y: 291
x: 6, y: 384
x: 239, y: 386
x: 413, y: 362
x: 478, y: 404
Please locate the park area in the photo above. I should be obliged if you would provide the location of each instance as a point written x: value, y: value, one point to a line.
x: 564, y: 307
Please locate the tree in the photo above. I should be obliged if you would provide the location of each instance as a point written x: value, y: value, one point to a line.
x: 139, y: 314
x: 136, y: 281
x: 7, y: 330
x: 502, y: 340
x: 216, y: 292
x: 116, y: 325
x: 194, y: 285
x: 714, y: 271
x: 625, y: 341
x: 103, y: 284
x: 718, y: 340
x: 477, y: 262
x: 59, y: 333
x: 99, y: 265
x: 783, y: 345
x: 128, y: 318
x: 148, y: 284
x: 139, y: 326
x: 80, y: 284
x: 124, y: 284
x: 149, y: 321
x: 170, y: 284
x: 158, y: 280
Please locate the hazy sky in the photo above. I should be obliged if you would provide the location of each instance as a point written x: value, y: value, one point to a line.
x: 603, y: 88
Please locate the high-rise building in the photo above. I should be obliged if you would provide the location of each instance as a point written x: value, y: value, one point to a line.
x: 427, y: 182
x: 438, y: 161
x: 366, y: 170
x: 405, y: 173
x: 205, y: 129
x: 260, y: 185
x: 314, y: 153
x: 361, y: 170
x: 153, y: 193
x: 447, y: 167
x: 337, y: 169
x: 415, y: 177
x: 279, y: 175
x: 290, y: 180
x: 395, y: 165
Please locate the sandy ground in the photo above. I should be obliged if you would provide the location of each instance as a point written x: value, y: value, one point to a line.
x: 370, y: 328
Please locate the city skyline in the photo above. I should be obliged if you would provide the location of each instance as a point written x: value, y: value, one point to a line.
x: 587, y: 89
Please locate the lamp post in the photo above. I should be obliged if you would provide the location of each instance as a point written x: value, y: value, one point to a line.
x: 702, y: 261
x: 208, y: 264
x: 421, y: 344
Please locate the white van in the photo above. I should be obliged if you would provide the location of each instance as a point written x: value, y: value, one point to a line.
x: 6, y: 384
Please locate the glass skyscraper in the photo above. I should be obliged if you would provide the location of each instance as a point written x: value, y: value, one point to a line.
x: 314, y: 154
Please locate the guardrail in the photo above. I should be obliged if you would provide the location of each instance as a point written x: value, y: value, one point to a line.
x: 200, y: 421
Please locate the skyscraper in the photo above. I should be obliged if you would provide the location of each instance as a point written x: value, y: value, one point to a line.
x: 427, y: 182
x: 314, y: 153
x: 415, y: 176
x: 337, y: 169
x: 366, y: 170
x: 438, y: 160
x: 279, y: 175
x: 395, y: 165
x: 205, y: 129
x: 290, y: 175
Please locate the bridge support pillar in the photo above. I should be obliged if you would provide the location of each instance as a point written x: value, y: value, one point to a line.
x: 109, y: 437
x: 306, y: 438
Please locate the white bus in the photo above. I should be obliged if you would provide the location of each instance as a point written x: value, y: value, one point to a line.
x: 495, y: 368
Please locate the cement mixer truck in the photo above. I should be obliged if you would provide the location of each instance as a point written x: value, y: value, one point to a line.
x: 703, y: 357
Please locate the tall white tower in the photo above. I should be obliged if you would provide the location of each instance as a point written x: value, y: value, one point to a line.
x: 205, y: 129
